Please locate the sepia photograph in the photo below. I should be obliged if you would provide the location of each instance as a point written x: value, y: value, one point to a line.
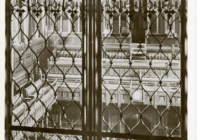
x: 96, y: 70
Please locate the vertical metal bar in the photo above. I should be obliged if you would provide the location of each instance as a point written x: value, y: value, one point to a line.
x: 94, y: 64
x: 90, y: 78
x: 8, y: 69
x: 93, y: 11
x: 89, y: 75
x: 87, y: 69
x: 184, y: 69
x: 98, y: 68
x: 84, y: 97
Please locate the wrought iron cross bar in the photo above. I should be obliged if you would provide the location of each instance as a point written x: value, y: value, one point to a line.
x: 20, y: 11
x: 55, y: 11
x: 111, y: 13
x: 169, y: 13
x: 150, y: 13
x: 130, y: 13
x: 37, y: 12
x: 73, y: 12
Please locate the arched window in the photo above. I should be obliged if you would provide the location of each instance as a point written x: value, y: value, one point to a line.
x: 153, y: 20
x: 123, y: 23
x: 153, y: 24
x: 116, y: 23
x: 161, y: 21
x: 177, y: 20
x: 58, y: 22
x: 65, y: 23
x: 74, y: 24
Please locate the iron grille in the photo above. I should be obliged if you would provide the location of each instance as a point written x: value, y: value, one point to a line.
x: 76, y: 76
x: 141, y: 67
x: 46, y: 66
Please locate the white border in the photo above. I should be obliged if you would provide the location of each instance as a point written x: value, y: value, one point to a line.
x: 191, y: 70
x: 2, y: 70
x: 197, y: 71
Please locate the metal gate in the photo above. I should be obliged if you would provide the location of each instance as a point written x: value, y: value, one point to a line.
x: 109, y: 69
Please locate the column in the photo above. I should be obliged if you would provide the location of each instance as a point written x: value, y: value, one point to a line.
x: 173, y: 50
x: 61, y: 21
x: 60, y: 117
x: 131, y: 84
x: 105, y: 22
x: 173, y: 25
x: 156, y: 97
x: 43, y: 24
x: 148, y: 21
x: 50, y: 14
x: 69, y: 23
x: 166, y: 24
x: 34, y: 23
x: 13, y: 27
x: 118, y: 96
x: 128, y: 19
x: 107, y: 99
x: 79, y: 18
x: 157, y: 22
x: 80, y: 96
x: 19, y: 27
x: 48, y: 20
x: 46, y: 119
x: 167, y: 100
x: 120, y: 17
x: 26, y: 25
x: 43, y: 123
